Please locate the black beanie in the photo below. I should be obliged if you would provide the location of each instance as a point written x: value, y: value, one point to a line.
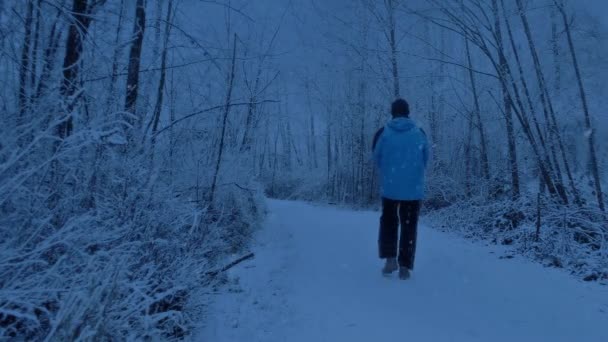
x: 400, y: 108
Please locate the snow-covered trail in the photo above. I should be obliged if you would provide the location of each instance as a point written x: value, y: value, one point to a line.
x: 316, y: 277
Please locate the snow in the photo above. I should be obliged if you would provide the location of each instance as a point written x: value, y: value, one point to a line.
x: 117, y: 139
x: 316, y: 277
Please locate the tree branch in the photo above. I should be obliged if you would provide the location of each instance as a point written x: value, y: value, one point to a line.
x: 230, y: 265
x: 207, y: 110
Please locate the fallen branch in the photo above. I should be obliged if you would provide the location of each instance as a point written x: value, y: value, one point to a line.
x: 231, y: 265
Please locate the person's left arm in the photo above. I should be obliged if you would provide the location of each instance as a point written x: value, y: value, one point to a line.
x: 425, y: 148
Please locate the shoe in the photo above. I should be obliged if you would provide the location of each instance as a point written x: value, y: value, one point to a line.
x: 390, y: 266
x: 404, y: 273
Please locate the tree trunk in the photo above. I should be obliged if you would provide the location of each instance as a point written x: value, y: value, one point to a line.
x: 485, y: 165
x: 556, y: 53
x: 115, y: 58
x: 49, y: 58
x: 224, y: 122
x: 71, y: 63
x: 163, y: 65
x: 139, y: 26
x: 314, y: 163
x: 433, y: 106
x: 25, y: 62
x: 513, y: 163
x: 34, y: 67
x: 251, y: 111
x: 329, y: 156
x: 172, y: 139
x: 392, y: 8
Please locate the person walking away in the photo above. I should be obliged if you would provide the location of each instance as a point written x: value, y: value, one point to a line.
x: 401, y: 154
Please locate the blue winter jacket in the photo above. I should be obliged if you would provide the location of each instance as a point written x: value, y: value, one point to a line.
x: 401, y: 153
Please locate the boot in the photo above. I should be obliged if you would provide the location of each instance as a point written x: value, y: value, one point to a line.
x: 390, y: 266
x: 404, y: 273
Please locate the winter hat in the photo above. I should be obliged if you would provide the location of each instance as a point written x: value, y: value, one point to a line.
x: 400, y: 108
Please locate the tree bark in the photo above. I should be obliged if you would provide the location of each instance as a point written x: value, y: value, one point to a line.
x: 115, y: 57
x: 163, y: 65
x: 468, y: 157
x: 311, y: 130
x: 34, y: 56
x: 135, y: 61
x: 329, y: 156
x: 25, y: 61
x: 50, y: 52
x: 71, y: 63
x: 391, y: 8
x: 556, y: 53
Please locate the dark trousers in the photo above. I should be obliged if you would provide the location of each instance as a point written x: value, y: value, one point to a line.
x: 393, y: 213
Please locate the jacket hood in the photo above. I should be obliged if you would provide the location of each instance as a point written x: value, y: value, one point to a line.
x: 401, y: 124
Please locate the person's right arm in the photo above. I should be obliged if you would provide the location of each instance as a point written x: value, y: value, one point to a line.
x: 377, y: 146
x: 376, y: 137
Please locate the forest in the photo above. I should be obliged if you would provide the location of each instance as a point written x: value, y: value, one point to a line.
x: 140, y: 139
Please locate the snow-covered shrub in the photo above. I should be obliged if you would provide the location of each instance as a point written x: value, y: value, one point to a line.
x: 95, y: 242
x: 569, y: 236
x: 311, y: 186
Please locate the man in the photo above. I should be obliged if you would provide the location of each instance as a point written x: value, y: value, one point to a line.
x: 401, y: 153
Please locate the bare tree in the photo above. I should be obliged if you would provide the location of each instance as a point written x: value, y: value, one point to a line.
x: 81, y: 20
x: 24, y: 68
x: 139, y: 26
x: 36, y: 39
x: 255, y: 91
x: 229, y: 90
x: 546, y: 101
x: 476, y: 27
x: 312, y: 144
x: 507, y: 103
x: 583, y: 97
x: 116, y: 56
x: 485, y: 164
x: 391, y: 8
x: 163, y: 65
x: 386, y: 18
x: 49, y: 56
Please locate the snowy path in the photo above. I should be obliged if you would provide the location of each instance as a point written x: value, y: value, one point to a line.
x: 316, y: 278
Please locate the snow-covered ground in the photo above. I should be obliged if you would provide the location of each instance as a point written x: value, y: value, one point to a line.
x: 316, y: 277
